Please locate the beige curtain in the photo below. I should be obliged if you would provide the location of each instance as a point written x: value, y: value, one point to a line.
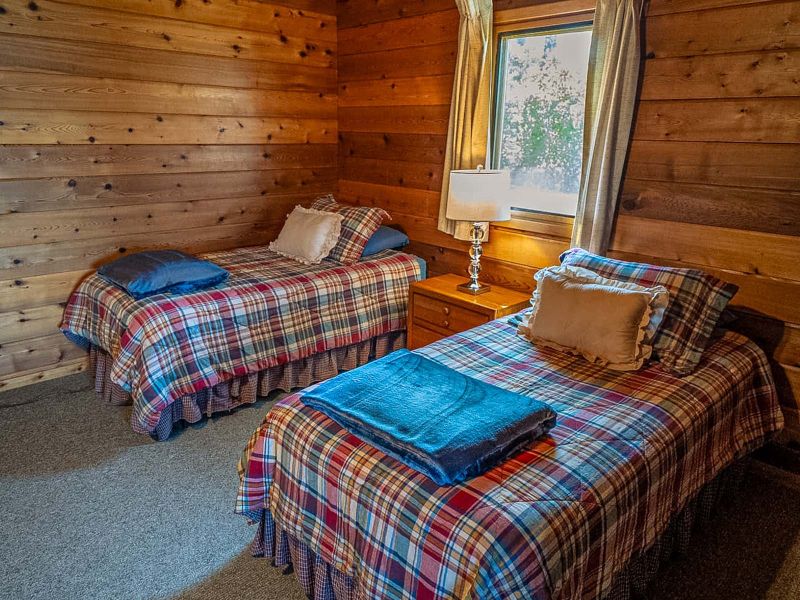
x: 614, y: 60
x: 470, y: 105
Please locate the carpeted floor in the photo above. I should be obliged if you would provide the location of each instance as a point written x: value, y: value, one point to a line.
x: 92, y: 510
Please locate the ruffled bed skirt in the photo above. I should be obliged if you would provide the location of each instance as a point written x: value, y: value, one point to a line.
x: 247, y: 389
x: 320, y: 581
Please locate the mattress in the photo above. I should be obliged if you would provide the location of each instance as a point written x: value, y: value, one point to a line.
x: 558, y: 520
x: 271, y: 311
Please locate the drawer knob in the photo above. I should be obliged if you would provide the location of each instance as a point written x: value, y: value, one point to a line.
x: 446, y: 310
x: 445, y: 323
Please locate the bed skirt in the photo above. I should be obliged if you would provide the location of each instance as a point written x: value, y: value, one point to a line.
x: 247, y: 389
x: 320, y: 581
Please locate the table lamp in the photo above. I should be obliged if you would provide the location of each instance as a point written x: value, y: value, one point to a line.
x: 478, y: 195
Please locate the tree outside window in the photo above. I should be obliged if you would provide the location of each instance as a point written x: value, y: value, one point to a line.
x: 539, y: 122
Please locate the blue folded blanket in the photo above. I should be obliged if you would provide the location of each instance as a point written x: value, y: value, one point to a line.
x: 436, y: 420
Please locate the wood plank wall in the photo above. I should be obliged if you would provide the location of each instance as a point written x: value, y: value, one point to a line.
x: 713, y: 179
x: 130, y: 124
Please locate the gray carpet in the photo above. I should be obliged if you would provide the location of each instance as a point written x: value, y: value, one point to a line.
x: 92, y: 510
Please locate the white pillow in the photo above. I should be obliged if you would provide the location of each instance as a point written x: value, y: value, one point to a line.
x: 608, y: 322
x: 308, y: 235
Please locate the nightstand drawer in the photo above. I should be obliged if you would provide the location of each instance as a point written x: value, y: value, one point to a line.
x: 422, y: 336
x: 437, y: 309
x: 445, y: 315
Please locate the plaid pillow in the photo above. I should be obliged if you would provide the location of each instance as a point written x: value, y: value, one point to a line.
x: 358, y: 225
x: 696, y: 302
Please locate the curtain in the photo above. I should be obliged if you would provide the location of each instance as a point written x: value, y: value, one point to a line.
x: 470, y: 104
x: 613, y: 78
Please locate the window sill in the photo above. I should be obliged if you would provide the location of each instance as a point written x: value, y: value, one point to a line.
x: 552, y: 226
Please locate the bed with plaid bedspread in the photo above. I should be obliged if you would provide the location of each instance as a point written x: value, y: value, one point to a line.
x: 271, y: 311
x: 559, y: 520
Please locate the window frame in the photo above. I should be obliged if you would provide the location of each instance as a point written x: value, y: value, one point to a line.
x: 519, y: 22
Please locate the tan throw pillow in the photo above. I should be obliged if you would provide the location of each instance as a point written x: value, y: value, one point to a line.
x: 308, y: 235
x: 608, y: 322
x: 696, y: 303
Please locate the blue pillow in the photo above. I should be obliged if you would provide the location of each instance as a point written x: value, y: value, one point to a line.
x: 160, y: 271
x: 385, y: 238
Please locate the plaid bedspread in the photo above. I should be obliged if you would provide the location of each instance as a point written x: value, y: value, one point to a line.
x: 272, y: 310
x: 557, y: 521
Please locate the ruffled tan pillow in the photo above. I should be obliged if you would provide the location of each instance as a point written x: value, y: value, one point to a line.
x: 308, y: 235
x: 612, y: 323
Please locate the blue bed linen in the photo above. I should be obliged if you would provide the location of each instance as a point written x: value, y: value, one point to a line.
x: 153, y: 272
x: 434, y: 419
x: 423, y: 267
x: 385, y: 238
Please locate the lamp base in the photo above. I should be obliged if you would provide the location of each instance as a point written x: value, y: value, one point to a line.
x: 469, y: 288
x: 474, y: 286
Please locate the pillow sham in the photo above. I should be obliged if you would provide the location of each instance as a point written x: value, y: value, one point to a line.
x: 608, y: 322
x: 144, y: 274
x: 308, y: 235
x: 385, y: 238
x: 359, y: 223
x: 697, y: 300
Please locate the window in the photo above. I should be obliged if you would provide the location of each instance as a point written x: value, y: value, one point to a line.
x: 538, y: 122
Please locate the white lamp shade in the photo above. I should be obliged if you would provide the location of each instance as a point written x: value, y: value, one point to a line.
x: 479, y: 195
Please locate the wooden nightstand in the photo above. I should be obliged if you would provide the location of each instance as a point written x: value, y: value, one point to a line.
x: 436, y: 309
